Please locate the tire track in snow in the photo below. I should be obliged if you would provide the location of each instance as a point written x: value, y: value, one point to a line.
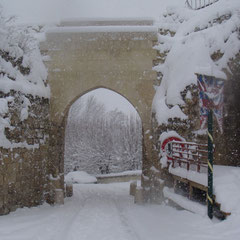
x: 64, y: 232
x: 99, y: 219
x: 125, y: 222
x: 99, y: 216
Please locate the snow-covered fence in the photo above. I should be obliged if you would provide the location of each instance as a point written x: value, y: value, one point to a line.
x: 198, y: 4
x: 191, y: 156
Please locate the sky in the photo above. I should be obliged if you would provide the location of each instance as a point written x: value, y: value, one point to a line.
x: 111, y: 100
x: 53, y: 11
x: 42, y: 11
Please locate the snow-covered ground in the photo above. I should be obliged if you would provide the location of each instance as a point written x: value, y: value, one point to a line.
x: 225, y: 184
x: 106, y: 211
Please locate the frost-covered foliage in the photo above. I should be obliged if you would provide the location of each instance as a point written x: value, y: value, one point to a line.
x: 21, y: 65
x: 99, y: 141
x: 201, y: 41
x: 22, y: 73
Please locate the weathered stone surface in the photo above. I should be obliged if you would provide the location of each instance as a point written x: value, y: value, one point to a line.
x: 133, y: 186
x: 83, y: 61
x: 230, y: 147
x: 59, y: 196
x: 23, y: 168
x: 69, y: 190
x: 139, y: 196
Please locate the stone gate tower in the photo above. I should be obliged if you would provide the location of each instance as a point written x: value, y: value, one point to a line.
x: 85, y: 55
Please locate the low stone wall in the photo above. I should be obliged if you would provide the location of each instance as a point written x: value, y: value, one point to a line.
x: 112, y: 179
x: 23, y: 165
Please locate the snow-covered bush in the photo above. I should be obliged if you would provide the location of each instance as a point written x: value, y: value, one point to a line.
x: 22, y: 73
x: 21, y: 65
x: 202, y: 41
x: 205, y: 41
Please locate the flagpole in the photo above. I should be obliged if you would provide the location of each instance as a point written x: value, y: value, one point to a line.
x: 210, y: 164
x: 206, y: 85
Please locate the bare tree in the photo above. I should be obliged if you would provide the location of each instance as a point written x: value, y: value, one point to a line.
x: 98, y: 141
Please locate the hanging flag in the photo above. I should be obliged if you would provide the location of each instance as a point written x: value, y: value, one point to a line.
x: 210, y: 96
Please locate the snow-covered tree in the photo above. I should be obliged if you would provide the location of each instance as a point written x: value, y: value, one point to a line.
x: 100, y: 141
x: 21, y: 65
x: 22, y: 72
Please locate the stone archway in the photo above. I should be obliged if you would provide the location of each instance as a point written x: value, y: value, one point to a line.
x: 103, y: 132
x: 85, y: 58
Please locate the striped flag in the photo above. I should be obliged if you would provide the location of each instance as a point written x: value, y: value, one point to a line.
x: 211, y: 96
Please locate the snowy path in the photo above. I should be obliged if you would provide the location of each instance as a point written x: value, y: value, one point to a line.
x: 107, y: 212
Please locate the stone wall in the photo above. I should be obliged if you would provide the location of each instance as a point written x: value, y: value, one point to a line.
x: 231, y: 147
x: 23, y: 166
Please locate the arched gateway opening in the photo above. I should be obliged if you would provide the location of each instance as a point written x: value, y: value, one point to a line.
x: 58, y: 136
x: 83, y: 56
x: 103, y: 134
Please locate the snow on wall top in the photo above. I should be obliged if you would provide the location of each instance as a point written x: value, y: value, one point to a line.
x: 107, y: 22
x: 101, y: 25
x: 74, y: 29
x: 18, y: 45
x: 199, y: 34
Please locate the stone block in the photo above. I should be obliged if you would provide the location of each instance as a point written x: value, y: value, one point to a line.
x: 59, y: 196
x: 1, y: 201
x: 133, y: 186
x: 30, y: 141
x: 11, y: 177
x: 4, y: 210
x: 139, y: 196
x: 7, y: 159
x: 56, y: 183
x: 1, y: 180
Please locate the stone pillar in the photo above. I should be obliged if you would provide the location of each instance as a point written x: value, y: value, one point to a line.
x: 56, y: 164
x: 59, y: 196
x: 139, y: 199
x: 150, y: 161
x: 69, y: 190
x: 133, y: 186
